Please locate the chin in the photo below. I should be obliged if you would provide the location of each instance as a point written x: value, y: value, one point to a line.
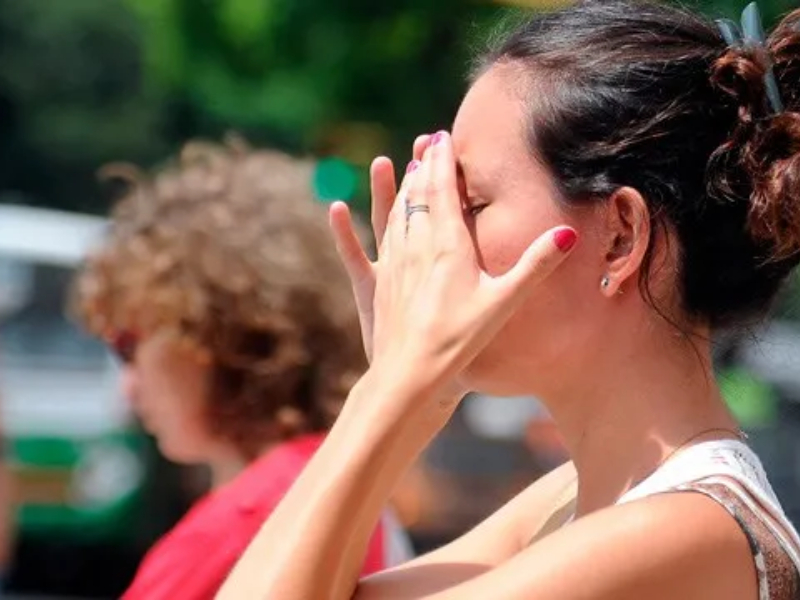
x: 493, y: 378
x: 509, y: 369
x: 177, y: 453
x: 521, y: 362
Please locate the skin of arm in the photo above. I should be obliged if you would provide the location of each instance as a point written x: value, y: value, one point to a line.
x: 325, y: 520
x: 497, y: 539
x: 665, y: 547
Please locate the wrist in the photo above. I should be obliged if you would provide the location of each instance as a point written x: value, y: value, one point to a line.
x: 402, y: 396
x: 384, y: 411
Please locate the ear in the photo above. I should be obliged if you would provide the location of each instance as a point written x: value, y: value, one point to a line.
x: 628, y: 230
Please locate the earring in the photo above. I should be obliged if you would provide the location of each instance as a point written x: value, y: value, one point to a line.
x: 605, y: 282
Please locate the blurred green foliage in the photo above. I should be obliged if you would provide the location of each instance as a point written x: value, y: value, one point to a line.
x: 83, y: 82
x: 70, y: 98
x: 295, y: 66
x: 770, y: 9
x: 88, y: 81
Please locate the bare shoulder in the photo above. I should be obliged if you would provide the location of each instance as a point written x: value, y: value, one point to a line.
x: 680, y: 545
x: 665, y: 547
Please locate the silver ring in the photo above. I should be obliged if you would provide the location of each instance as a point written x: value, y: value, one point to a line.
x: 415, y: 208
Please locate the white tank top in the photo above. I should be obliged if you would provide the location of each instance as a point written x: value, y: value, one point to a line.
x: 732, y: 464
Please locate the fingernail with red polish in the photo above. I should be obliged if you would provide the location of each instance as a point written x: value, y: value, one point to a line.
x: 412, y: 166
x: 437, y: 138
x: 565, y: 239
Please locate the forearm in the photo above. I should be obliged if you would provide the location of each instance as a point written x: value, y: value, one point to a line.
x: 314, y: 543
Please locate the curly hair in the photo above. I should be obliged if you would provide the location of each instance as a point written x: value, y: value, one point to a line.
x: 227, y: 248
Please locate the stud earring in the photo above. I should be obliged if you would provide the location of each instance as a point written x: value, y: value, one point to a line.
x: 605, y: 282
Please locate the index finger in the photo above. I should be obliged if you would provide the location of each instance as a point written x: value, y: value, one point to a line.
x: 537, y: 263
x: 441, y: 188
x: 420, y: 145
x: 383, y: 188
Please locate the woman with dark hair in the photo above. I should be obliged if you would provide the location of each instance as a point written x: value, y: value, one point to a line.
x: 221, y: 291
x: 621, y: 181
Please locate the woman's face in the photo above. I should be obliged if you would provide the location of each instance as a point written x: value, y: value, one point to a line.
x: 167, y: 385
x: 510, y: 201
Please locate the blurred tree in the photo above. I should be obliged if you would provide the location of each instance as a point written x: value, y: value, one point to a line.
x: 771, y: 10
x: 87, y: 81
x: 70, y: 99
x: 345, y: 77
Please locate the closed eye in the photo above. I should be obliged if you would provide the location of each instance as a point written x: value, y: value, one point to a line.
x: 475, y: 208
x: 473, y: 205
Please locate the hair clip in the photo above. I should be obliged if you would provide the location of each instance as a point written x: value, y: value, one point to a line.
x: 751, y: 34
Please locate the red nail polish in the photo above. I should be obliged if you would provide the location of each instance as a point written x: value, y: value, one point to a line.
x: 413, y: 166
x: 565, y: 239
x: 437, y: 137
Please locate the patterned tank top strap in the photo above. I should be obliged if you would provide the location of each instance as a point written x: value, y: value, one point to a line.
x: 778, y: 577
x: 730, y: 473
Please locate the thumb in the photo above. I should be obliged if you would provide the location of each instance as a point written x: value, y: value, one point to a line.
x: 540, y: 260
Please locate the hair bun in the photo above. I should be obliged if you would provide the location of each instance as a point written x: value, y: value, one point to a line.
x: 739, y: 74
x: 773, y: 162
x: 760, y: 163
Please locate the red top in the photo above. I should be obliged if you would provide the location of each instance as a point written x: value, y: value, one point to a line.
x: 193, y: 559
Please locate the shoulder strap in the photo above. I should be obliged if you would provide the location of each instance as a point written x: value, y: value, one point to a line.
x: 774, y: 520
x: 734, y: 465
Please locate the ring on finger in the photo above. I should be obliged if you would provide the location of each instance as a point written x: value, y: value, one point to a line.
x: 415, y: 208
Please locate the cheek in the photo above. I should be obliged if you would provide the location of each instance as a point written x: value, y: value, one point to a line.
x: 178, y: 419
x: 504, y: 231
x: 172, y: 394
x: 184, y: 401
x: 549, y: 330
x: 556, y: 320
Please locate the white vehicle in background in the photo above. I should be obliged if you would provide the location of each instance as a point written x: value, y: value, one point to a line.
x: 80, y: 463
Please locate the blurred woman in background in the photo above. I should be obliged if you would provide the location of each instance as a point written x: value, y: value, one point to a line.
x: 220, y: 290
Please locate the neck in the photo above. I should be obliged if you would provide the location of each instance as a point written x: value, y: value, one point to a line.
x: 227, y: 462
x: 225, y: 468
x: 652, y: 393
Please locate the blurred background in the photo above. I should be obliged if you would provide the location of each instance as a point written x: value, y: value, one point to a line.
x: 85, y: 82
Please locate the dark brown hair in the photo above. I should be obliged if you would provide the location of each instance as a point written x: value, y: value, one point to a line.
x: 227, y: 248
x: 646, y: 95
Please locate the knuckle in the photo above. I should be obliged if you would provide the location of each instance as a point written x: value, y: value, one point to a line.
x: 444, y: 252
x: 396, y: 214
x: 435, y: 188
x: 413, y: 259
x: 414, y: 185
x: 448, y: 240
